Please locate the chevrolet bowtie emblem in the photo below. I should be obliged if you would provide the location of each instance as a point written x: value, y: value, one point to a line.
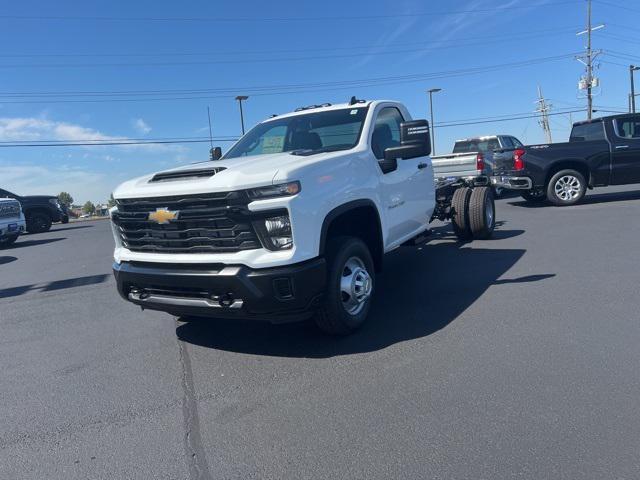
x: 163, y: 216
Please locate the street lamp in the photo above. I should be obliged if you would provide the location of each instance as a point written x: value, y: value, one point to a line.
x: 633, y: 68
x: 433, y: 128
x: 240, y: 98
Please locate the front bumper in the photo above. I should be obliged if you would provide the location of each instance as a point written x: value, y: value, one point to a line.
x: 278, y: 294
x: 12, y: 228
x: 512, y: 182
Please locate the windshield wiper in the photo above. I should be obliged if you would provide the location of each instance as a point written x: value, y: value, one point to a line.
x: 305, y: 152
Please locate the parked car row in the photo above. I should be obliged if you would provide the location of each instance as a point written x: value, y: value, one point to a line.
x: 40, y: 211
x: 12, y: 222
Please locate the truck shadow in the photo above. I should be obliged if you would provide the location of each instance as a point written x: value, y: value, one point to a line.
x: 421, y: 291
x: 589, y: 199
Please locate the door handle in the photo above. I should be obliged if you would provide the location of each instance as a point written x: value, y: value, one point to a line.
x: 621, y: 147
x: 422, y: 165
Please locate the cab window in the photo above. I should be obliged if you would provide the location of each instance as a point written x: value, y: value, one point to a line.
x: 386, y: 131
x: 587, y: 132
x: 628, y: 128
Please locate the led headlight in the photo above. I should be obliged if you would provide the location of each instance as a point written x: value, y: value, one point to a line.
x: 272, y: 191
x: 275, y: 232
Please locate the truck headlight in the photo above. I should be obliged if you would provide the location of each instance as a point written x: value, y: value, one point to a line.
x: 275, y: 232
x: 272, y: 191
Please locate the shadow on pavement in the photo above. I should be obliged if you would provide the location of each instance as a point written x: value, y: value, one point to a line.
x: 420, y: 292
x: 55, y: 285
x: 70, y: 228
x: 589, y: 199
x: 33, y: 243
x: 4, y: 260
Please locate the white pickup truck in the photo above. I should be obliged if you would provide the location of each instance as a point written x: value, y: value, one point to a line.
x: 12, y: 222
x: 292, y: 222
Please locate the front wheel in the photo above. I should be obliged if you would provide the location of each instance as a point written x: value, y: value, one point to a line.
x: 350, y: 285
x: 567, y: 187
x: 38, y: 222
x: 8, y: 241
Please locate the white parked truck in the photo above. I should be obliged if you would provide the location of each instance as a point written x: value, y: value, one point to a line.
x: 292, y: 222
x: 12, y: 222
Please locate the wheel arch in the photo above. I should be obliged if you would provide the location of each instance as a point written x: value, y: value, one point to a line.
x: 358, y: 218
x: 572, y: 164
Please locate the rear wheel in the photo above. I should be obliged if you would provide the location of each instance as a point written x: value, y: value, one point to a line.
x: 460, y: 213
x: 38, y: 222
x: 350, y: 285
x: 534, y: 196
x: 567, y: 187
x: 8, y: 241
x: 482, y: 213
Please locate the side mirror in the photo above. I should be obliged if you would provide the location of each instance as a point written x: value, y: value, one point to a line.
x: 415, y: 141
x: 215, y: 153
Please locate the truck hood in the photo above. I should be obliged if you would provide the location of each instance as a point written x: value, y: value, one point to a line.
x: 233, y: 174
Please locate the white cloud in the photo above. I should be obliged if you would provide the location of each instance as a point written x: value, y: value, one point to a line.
x: 141, y: 126
x: 42, y: 129
x: 40, y: 180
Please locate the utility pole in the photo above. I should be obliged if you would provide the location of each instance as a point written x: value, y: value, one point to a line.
x: 632, y: 98
x: 240, y: 99
x: 543, y: 109
x: 433, y: 127
x: 589, y: 81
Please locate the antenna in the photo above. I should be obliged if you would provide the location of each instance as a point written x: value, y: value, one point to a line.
x: 210, y: 132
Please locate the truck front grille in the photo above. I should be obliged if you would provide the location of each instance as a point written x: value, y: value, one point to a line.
x: 9, y: 209
x: 205, y: 223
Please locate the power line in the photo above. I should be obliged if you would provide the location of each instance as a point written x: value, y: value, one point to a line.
x: 437, y: 44
x: 610, y: 4
x: 212, y: 62
x: 281, y: 19
x: 285, y: 89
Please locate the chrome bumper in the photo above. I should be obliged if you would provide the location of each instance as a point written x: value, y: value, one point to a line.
x: 512, y: 183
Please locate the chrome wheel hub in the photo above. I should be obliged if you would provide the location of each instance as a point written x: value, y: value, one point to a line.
x: 355, y: 285
x: 567, y: 187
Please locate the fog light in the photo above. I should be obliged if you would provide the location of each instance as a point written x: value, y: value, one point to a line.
x: 276, y: 232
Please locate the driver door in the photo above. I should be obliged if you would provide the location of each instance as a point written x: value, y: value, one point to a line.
x: 407, y: 187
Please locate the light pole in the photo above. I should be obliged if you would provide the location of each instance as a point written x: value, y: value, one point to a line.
x: 240, y: 98
x: 433, y: 128
x: 633, y: 68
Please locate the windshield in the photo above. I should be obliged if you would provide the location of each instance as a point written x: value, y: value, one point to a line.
x: 311, y: 132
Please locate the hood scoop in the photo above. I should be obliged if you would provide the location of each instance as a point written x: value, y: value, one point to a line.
x: 186, y: 174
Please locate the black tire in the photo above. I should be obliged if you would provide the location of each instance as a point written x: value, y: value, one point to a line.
x: 482, y: 213
x: 534, y: 196
x: 567, y: 187
x: 460, y: 213
x: 65, y: 219
x: 38, y: 222
x: 8, y: 241
x: 341, y: 313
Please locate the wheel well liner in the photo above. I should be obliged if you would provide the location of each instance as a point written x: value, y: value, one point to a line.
x: 358, y: 218
x: 577, y: 165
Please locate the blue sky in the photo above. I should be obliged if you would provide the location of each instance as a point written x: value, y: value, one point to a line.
x: 231, y: 48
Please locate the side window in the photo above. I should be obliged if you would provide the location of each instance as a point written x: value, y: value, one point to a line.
x: 507, y: 142
x: 516, y: 143
x: 386, y: 131
x: 628, y: 128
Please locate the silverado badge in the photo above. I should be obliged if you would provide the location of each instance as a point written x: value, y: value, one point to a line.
x: 163, y: 216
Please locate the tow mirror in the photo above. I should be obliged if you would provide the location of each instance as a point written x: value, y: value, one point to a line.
x: 215, y: 153
x: 415, y: 141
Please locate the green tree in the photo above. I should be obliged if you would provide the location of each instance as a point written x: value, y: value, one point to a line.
x: 111, y: 202
x: 89, y: 208
x: 65, y: 199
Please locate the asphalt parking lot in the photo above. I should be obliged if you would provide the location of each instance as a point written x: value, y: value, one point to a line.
x: 515, y: 357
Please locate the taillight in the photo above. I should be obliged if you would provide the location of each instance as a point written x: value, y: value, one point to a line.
x: 480, y: 162
x: 518, y: 159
